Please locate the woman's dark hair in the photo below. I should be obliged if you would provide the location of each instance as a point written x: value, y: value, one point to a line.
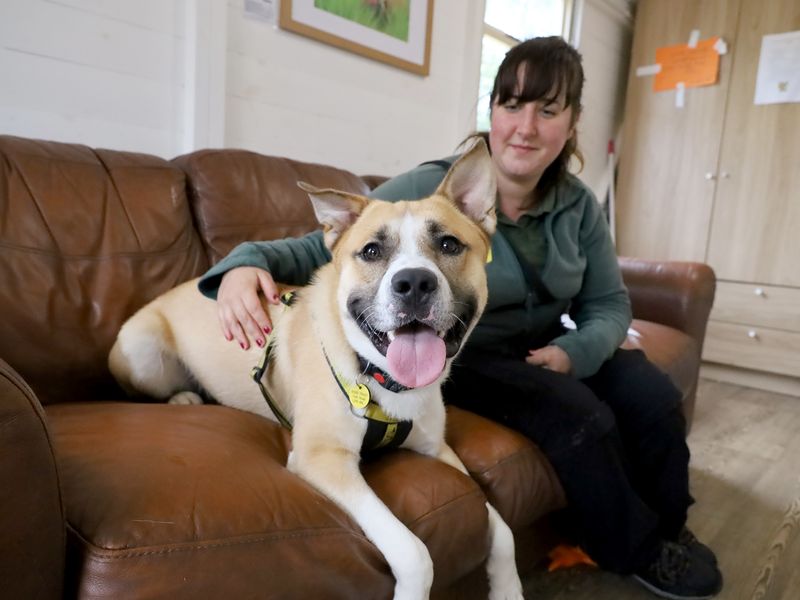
x: 551, y: 67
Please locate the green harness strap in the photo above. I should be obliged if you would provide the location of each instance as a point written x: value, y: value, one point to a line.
x: 256, y: 373
x: 383, y: 431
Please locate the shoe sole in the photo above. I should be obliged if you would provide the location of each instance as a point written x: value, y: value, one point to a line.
x: 664, y: 594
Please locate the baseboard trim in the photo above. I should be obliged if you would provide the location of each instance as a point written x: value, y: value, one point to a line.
x: 780, y: 384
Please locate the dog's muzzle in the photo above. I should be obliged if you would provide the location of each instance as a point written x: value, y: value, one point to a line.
x: 414, y: 290
x: 420, y: 336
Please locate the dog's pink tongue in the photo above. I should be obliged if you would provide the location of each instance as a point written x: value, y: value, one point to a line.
x: 416, y: 358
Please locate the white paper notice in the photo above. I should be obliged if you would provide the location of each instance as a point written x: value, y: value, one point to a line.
x: 778, y: 77
x: 261, y: 10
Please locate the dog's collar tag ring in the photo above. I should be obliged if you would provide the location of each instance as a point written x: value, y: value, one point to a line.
x: 288, y: 298
x: 358, y: 394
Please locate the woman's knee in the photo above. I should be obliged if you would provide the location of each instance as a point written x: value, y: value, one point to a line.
x: 580, y: 419
x: 636, y: 389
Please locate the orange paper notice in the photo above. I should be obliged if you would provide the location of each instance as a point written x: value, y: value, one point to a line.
x: 692, y: 66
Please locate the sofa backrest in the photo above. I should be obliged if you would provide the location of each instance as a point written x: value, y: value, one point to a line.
x: 89, y: 236
x: 238, y: 195
x: 86, y: 238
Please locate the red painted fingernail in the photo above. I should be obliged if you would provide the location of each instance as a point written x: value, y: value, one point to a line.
x: 267, y: 330
x: 275, y: 298
x: 260, y: 342
x: 243, y: 345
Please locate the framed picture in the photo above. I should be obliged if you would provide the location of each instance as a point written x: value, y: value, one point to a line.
x: 397, y: 32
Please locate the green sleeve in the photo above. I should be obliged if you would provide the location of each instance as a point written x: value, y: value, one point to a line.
x: 602, y: 308
x: 291, y: 260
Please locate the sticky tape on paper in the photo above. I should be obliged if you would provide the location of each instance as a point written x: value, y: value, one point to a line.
x: 694, y: 37
x: 648, y: 70
x: 680, y: 94
x: 721, y: 47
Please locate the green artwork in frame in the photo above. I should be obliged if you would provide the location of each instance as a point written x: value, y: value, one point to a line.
x: 387, y: 16
x: 396, y: 32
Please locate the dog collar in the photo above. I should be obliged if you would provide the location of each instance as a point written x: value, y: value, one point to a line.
x: 380, y: 376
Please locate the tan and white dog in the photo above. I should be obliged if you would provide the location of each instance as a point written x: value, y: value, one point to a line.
x: 405, y: 287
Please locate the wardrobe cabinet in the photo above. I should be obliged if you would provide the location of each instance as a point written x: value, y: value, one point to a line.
x: 718, y: 181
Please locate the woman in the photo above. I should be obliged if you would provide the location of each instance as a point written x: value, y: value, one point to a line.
x: 607, y: 419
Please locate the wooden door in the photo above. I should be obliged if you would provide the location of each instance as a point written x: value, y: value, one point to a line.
x: 755, y: 234
x: 669, y: 155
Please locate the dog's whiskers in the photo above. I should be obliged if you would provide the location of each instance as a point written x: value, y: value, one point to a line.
x: 459, y: 319
x: 365, y: 319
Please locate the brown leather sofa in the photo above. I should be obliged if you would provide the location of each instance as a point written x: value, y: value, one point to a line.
x: 105, y: 497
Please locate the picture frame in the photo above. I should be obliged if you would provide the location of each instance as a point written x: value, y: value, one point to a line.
x: 396, y: 32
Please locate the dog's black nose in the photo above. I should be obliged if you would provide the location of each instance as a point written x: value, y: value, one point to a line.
x: 414, y: 286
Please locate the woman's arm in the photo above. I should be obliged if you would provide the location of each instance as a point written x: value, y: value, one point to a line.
x: 601, y: 309
x: 291, y: 260
x: 243, y: 279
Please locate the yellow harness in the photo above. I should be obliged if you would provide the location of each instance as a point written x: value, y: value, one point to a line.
x: 382, y: 430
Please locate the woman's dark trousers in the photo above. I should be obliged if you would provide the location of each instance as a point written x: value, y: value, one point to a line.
x: 616, y: 441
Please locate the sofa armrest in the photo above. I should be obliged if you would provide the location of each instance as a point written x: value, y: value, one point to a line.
x: 677, y: 294
x: 32, y: 547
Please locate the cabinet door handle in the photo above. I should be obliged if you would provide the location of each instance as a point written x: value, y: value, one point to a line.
x: 725, y: 175
x: 752, y: 334
x: 760, y: 292
x: 710, y: 176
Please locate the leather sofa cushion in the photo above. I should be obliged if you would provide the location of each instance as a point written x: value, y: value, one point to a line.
x: 32, y: 518
x: 673, y: 351
x: 161, y: 498
x: 88, y: 236
x: 240, y: 195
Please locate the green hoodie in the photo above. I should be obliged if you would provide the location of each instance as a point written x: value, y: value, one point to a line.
x: 580, y: 271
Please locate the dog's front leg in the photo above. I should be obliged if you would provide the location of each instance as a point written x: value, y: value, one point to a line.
x: 501, y: 568
x: 335, y: 473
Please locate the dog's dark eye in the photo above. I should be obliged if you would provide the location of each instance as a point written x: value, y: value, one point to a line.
x: 371, y: 252
x: 450, y: 245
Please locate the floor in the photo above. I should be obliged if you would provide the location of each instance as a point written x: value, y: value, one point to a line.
x: 745, y: 476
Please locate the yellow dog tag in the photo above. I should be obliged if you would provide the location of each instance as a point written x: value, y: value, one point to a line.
x: 359, y: 395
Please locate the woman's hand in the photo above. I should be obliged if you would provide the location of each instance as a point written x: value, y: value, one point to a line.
x: 550, y: 357
x: 239, y: 308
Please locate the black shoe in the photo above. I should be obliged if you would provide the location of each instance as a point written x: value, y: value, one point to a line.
x: 678, y: 574
x: 696, y: 547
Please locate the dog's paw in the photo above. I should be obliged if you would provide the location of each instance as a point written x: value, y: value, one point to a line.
x: 186, y: 398
x: 505, y: 584
x: 413, y: 572
x: 512, y: 592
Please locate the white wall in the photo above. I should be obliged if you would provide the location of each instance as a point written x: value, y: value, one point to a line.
x: 167, y: 76
x: 100, y: 72
x: 129, y: 75
x: 293, y: 96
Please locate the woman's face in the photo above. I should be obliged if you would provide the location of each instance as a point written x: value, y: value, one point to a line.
x: 526, y: 137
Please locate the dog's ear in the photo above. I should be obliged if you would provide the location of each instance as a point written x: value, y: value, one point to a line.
x: 335, y: 210
x: 471, y: 185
